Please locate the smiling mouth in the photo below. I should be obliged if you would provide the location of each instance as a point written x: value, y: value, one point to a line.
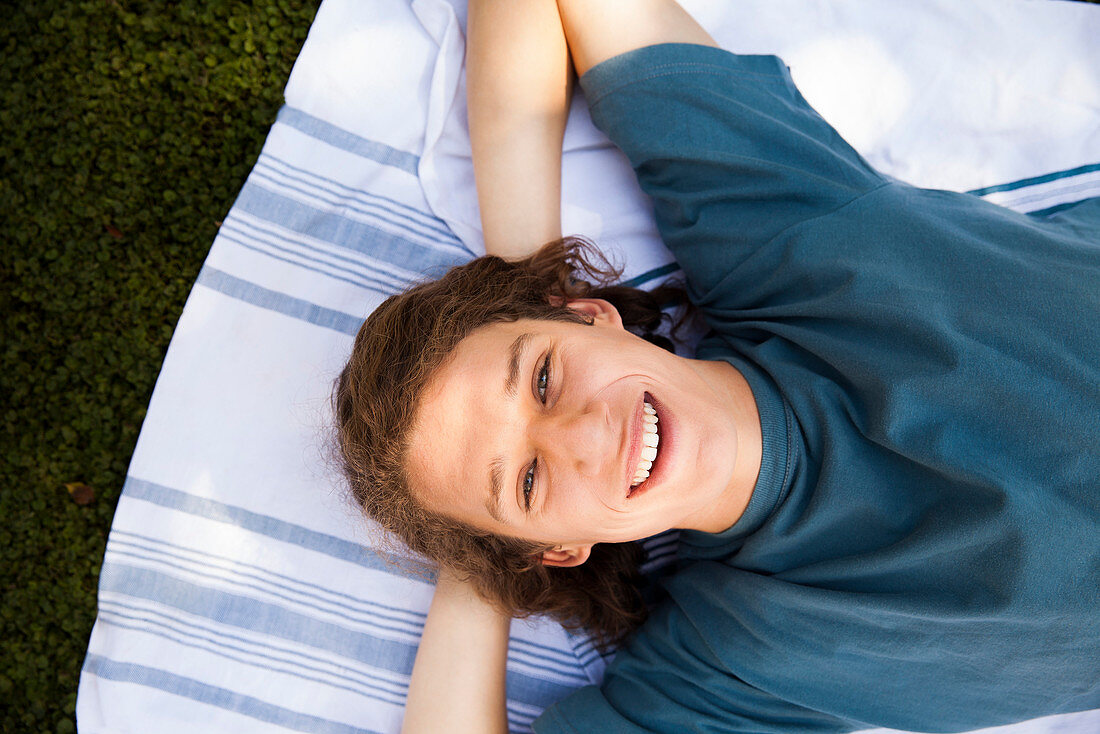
x: 650, y: 452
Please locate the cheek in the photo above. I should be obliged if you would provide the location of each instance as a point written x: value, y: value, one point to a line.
x: 577, y: 501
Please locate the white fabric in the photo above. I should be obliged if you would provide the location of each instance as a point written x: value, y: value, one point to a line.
x: 239, y: 591
x: 938, y: 93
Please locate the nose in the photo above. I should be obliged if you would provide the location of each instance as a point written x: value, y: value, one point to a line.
x: 584, y: 440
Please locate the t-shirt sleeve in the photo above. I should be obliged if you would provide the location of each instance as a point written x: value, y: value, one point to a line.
x: 726, y: 146
x: 668, y: 681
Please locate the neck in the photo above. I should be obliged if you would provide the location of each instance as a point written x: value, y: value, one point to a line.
x: 745, y: 418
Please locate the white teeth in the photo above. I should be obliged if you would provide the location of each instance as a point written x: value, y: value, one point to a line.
x: 650, y: 440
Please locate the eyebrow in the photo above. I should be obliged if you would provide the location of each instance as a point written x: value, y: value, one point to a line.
x: 516, y: 354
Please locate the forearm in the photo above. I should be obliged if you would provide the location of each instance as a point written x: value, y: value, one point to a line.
x: 457, y: 682
x: 519, y: 82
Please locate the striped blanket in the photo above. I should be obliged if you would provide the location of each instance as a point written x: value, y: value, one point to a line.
x: 240, y: 590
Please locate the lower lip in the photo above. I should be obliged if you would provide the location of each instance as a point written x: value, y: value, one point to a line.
x: 660, y: 466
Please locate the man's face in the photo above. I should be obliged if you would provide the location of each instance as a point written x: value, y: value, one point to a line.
x: 564, y: 446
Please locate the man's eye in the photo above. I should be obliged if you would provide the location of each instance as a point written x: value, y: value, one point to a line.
x: 529, y: 485
x: 543, y: 384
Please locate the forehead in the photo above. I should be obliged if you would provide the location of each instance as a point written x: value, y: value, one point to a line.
x: 461, y: 417
x: 482, y: 357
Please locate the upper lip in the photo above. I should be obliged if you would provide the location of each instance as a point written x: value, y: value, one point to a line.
x: 634, y: 447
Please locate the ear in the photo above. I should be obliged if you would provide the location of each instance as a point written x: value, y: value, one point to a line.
x: 566, y: 556
x: 599, y: 309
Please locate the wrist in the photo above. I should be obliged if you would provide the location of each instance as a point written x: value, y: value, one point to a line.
x: 461, y: 596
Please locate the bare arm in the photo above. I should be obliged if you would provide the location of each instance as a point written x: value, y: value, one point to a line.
x: 457, y: 681
x: 519, y: 83
x: 598, y: 30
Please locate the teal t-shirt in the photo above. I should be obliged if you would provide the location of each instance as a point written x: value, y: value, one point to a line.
x: 921, y: 550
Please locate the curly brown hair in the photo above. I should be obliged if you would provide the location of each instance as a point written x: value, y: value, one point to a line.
x: 397, y: 351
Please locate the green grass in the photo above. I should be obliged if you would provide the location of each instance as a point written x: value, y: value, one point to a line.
x: 127, y: 129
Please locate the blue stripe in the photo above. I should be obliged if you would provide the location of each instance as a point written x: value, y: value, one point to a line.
x: 1058, y: 208
x: 1083, y: 191
x: 248, y: 613
x: 666, y: 552
x: 430, y: 260
x: 394, y: 614
x: 584, y: 648
x: 658, y: 568
x: 252, y: 614
x: 365, y: 621
x: 365, y: 284
x: 651, y: 275
x: 334, y: 203
x: 330, y: 545
x: 270, y: 300
x: 357, y: 200
x: 1034, y: 180
x: 538, y: 655
x: 356, y: 263
x: 367, y: 268
x: 549, y: 653
x: 427, y: 218
x: 658, y: 548
x: 356, y: 282
x: 219, y: 647
x: 337, y: 137
x: 222, y: 698
x: 196, y: 631
x: 519, y: 722
x: 566, y: 667
x: 661, y: 538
